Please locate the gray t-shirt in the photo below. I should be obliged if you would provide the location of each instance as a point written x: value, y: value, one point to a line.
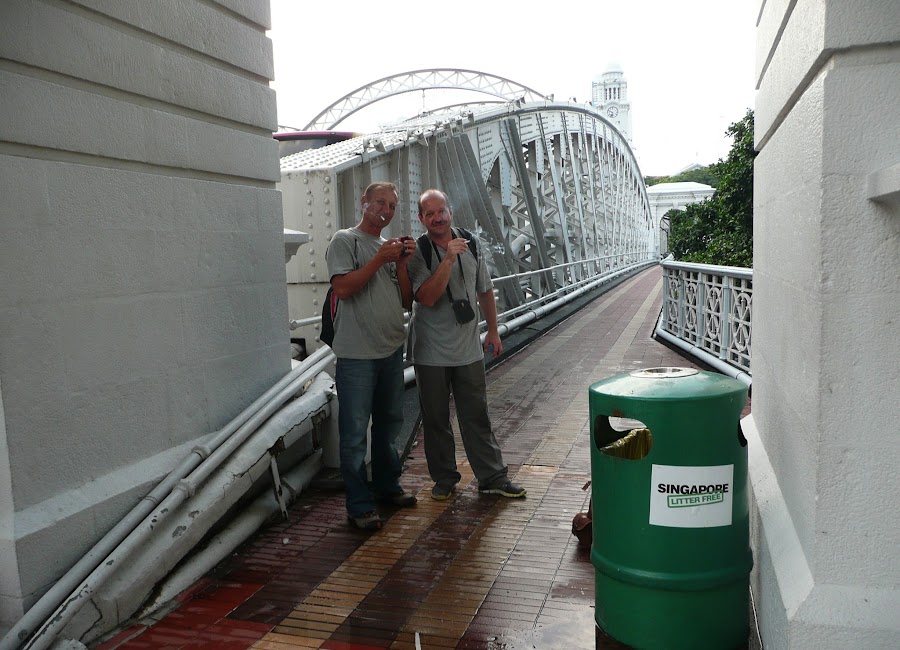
x: 368, y: 324
x: 435, y: 338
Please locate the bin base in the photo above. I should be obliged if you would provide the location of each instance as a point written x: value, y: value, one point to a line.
x: 605, y: 642
x: 646, y: 618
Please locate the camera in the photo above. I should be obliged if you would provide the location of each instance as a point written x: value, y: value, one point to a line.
x: 463, y: 311
x: 405, y: 252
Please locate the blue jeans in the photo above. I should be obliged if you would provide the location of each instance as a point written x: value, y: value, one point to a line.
x: 370, y: 387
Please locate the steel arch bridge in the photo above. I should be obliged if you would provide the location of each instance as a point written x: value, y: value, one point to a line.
x: 551, y: 189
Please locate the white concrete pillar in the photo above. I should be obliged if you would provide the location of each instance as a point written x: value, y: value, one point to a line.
x: 143, y: 299
x: 826, y: 325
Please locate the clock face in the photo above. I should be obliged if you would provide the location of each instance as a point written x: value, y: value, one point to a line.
x: 612, y: 111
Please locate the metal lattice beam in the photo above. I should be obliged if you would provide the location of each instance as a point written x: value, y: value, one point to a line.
x: 418, y: 80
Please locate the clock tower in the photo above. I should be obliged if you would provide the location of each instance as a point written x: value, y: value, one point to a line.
x: 609, y: 95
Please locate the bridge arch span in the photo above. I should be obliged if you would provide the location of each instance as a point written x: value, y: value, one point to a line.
x: 417, y: 80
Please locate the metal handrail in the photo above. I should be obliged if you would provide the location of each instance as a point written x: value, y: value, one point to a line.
x: 568, y: 287
x: 565, y: 264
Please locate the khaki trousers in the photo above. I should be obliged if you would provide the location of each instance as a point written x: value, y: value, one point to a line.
x: 467, y: 384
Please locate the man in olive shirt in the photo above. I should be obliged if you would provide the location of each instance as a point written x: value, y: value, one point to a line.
x: 369, y: 277
x: 446, y: 351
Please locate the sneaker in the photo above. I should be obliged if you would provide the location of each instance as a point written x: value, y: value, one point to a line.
x: 506, y: 488
x: 403, y: 499
x: 367, y: 521
x: 442, y: 490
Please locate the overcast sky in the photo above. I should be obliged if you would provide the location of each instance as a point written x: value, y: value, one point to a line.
x: 689, y: 64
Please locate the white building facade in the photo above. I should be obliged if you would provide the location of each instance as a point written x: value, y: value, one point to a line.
x: 673, y: 196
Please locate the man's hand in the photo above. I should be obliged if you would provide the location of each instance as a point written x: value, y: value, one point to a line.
x: 492, y: 343
x: 409, y: 247
x: 456, y: 247
x: 391, y: 251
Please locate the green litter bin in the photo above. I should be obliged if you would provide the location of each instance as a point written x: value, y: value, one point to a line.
x: 671, y: 547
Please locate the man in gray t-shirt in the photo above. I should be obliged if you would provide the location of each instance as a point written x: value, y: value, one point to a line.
x: 369, y: 278
x: 446, y: 351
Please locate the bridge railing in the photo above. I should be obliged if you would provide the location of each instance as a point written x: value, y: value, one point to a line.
x: 570, y: 276
x: 707, y: 312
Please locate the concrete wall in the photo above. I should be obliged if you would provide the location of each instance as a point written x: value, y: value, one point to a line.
x: 826, y: 321
x: 141, y: 258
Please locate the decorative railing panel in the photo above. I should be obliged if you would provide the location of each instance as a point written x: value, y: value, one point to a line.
x: 709, y: 307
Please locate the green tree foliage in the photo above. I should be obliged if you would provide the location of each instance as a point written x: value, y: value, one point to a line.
x: 706, y: 175
x: 720, y: 229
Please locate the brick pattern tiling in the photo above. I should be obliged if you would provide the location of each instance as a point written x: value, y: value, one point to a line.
x: 470, y: 572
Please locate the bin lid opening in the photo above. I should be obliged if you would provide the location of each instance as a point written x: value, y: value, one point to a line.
x: 664, y: 373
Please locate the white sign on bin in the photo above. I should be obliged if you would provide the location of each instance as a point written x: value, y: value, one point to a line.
x: 691, y: 497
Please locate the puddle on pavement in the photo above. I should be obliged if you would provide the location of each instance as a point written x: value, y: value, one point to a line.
x: 575, y: 634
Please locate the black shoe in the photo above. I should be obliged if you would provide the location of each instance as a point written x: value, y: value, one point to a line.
x: 506, y: 488
x: 403, y: 499
x: 442, y: 490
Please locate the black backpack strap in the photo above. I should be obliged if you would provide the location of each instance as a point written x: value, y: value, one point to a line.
x: 424, y: 245
x: 473, y: 241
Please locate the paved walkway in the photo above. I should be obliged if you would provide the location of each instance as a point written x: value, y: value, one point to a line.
x: 471, y: 572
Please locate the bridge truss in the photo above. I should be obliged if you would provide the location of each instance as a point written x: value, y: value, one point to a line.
x: 552, y: 190
x: 415, y: 81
